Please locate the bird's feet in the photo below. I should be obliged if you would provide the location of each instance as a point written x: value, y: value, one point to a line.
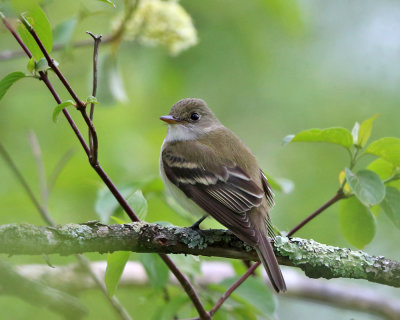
x: 196, y: 225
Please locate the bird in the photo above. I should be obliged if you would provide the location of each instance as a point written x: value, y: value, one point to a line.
x: 211, y: 172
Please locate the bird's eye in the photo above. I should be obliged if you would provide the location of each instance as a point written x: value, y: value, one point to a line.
x: 195, y: 116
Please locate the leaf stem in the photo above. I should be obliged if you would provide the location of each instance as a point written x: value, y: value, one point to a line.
x: 233, y: 287
x: 392, y: 178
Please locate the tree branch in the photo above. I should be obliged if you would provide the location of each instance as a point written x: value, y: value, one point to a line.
x: 315, y: 259
x: 187, y: 286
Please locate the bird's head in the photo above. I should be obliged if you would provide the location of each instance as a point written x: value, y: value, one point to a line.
x: 189, y: 119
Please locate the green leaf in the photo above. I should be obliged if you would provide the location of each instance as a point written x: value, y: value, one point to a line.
x: 31, y: 65
x: 366, y: 185
x: 109, y: 2
x: 340, y: 136
x: 38, y: 20
x: 42, y: 65
x: 106, y: 205
x: 138, y: 203
x: 382, y: 168
x: 356, y: 222
x: 387, y: 148
x: 60, y: 107
x: 253, y: 292
x: 116, y: 262
x: 156, y: 270
x: 391, y: 205
x: 365, y: 130
x: 8, y: 81
x: 91, y: 99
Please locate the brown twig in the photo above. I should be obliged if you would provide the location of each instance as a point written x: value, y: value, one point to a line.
x: 44, y: 78
x: 96, y: 166
x: 338, y: 196
x: 233, y: 287
x: 97, y: 40
x: 12, y: 54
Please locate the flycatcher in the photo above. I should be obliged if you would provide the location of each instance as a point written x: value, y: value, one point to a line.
x: 210, y: 171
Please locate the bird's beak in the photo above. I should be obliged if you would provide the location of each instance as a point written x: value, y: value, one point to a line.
x: 170, y: 119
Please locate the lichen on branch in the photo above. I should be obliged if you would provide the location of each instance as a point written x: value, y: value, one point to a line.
x: 316, y: 259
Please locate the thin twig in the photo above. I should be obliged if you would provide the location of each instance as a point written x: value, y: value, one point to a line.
x: 130, y: 8
x: 45, y: 79
x: 233, y: 287
x: 338, y: 196
x: 204, y: 315
x: 96, y: 166
x: 50, y: 62
x: 12, y: 54
x: 44, y: 213
x: 97, y: 40
x: 79, y: 104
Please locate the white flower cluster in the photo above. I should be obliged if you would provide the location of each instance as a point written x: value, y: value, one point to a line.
x: 166, y: 23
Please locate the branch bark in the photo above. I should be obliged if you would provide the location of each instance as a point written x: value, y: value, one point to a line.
x: 315, y: 259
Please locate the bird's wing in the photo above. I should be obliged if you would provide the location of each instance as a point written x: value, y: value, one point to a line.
x: 223, y: 190
x: 269, y: 194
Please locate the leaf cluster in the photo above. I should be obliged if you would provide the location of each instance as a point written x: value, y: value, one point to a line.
x: 369, y: 190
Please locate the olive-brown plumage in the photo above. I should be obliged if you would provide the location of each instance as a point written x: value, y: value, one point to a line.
x: 209, y: 170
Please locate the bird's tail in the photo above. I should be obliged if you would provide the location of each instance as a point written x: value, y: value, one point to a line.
x: 270, y: 263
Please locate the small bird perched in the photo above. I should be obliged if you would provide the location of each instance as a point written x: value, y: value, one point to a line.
x: 210, y: 171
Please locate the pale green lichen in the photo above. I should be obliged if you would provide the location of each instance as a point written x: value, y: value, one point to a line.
x: 137, y: 226
x: 164, y: 23
x: 80, y: 233
x: 191, y: 238
x: 332, y: 261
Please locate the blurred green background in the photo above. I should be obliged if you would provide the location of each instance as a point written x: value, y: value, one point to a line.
x: 266, y: 68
